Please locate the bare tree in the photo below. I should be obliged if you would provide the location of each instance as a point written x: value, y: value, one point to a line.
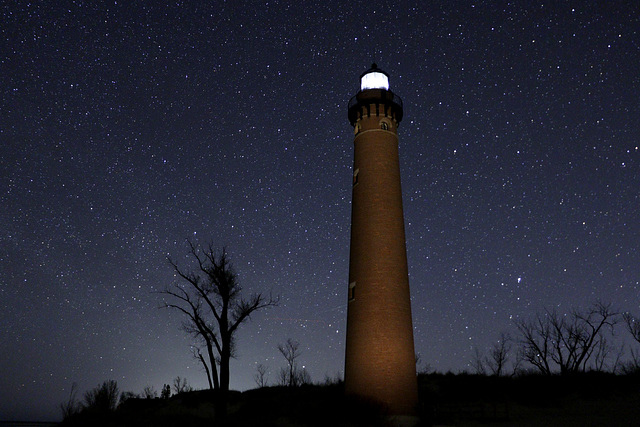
x: 499, y: 355
x: 303, y: 377
x: 333, y: 380
x: 631, y: 366
x: 633, y: 325
x: 260, y: 376
x: 518, y: 360
x: 149, y: 392
x: 618, y: 363
x: 290, y: 352
x: 566, y: 342
x: 198, y: 326
x: 211, y: 299
x: 535, y: 340
x: 180, y: 385
x: 197, y: 354
x: 71, y: 406
x: 166, y: 392
x: 283, y: 377
x: 422, y: 368
x: 103, y: 398
x: 601, y: 351
x: 477, y: 363
x: 292, y: 375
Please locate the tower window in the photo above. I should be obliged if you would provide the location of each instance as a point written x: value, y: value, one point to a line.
x: 385, y: 124
x: 352, y: 291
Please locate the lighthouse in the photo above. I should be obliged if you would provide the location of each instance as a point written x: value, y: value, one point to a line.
x: 380, y: 362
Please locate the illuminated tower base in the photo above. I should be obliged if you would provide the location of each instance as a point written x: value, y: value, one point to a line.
x: 380, y: 359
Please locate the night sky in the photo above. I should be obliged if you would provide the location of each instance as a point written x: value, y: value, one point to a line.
x: 127, y: 128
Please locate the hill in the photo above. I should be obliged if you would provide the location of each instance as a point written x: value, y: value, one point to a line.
x: 591, y: 399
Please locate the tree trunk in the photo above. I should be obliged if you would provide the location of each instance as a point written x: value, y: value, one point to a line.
x: 206, y: 368
x: 214, y: 369
x: 225, y: 358
x: 223, y: 392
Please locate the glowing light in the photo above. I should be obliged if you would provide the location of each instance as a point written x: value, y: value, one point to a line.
x: 374, y: 80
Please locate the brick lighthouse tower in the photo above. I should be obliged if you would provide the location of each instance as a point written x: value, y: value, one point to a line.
x: 380, y: 360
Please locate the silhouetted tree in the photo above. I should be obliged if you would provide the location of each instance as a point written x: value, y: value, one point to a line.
x: 477, y: 363
x: 292, y: 375
x: 601, y: 351
x: 211, y: 298
x: 149, y: 392
x: 260, y: 377
x: 166, y: 392
x: 197, y: 354
x: 566, y: 342
x: 633, y: 325
x: 333, y: 380
x: 71, y: 406
x: 618, y: 362
x: 126, y: 395
x: 499, y: 355
x: 420, y: 367
x: 103, y: 398
x: 180, y: 385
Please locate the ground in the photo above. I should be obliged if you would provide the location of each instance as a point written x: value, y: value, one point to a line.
x: 592, y: 399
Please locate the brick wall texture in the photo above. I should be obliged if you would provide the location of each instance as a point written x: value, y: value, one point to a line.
x: 380, y: 356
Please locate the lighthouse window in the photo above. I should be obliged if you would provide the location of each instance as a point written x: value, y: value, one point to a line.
x: 355, y: 176
x: 352, y: 291
x: 385, y: 125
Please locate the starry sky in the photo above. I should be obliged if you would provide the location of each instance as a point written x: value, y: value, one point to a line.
x: 127, y: 128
